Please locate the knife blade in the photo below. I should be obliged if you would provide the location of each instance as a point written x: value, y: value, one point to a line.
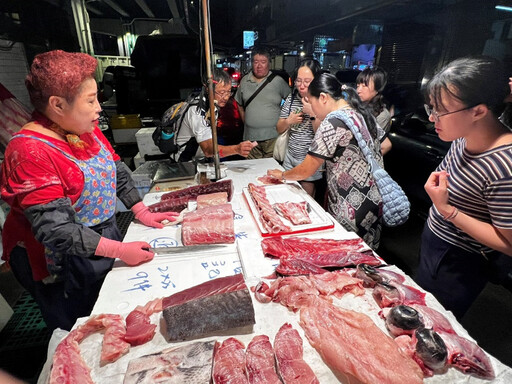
x: 186, y: 248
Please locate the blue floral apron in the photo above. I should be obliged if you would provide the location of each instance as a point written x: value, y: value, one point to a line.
x: 95, y: 208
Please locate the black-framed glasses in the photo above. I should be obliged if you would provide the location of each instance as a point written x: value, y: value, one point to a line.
x: 432, y: 112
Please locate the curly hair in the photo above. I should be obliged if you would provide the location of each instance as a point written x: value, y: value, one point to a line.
x: 58, y: 73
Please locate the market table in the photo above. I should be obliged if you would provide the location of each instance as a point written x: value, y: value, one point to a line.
x: 127, y: 287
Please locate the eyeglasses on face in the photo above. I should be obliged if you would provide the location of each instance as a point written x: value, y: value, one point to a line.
x: 306, y: 82
x: 223, y: 93
x: 432, y: 112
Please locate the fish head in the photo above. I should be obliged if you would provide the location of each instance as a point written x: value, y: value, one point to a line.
x: 403, y: 319
x: 368, y: 274
x: 431, y: 348
x: 386, y: 295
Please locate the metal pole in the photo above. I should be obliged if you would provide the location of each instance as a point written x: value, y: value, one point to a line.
x: 213, y: 119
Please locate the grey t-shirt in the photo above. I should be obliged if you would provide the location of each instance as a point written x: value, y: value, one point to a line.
x: 263, y: 112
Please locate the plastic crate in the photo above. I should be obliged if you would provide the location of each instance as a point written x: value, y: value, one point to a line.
x: 26, y: 327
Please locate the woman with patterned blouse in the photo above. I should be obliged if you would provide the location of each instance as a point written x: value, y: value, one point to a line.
x: 353, y: 197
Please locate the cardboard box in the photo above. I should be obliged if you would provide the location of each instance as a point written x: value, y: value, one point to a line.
x: 145, y: 142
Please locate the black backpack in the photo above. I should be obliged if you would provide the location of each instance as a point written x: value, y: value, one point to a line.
x: 165, y: 135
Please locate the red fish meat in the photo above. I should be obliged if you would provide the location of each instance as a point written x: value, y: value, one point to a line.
x: 320, y: 252
x: 216, y: 305
x: 290, y: 357
x: 260, y: 360
x: 293, y: 267
x: 296, y: 213
x: 170, y: 205
x: 352, y: 345
x: 202, y: 189
x: 229, y: 363
x: 139, y: 329
x: 211, y: 225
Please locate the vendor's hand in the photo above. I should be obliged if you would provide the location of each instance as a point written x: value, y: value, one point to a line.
x: 152, y: 219
x: 295, y: 118
x: 306, y: 107
x: 437, y: 189
x: 245, y: 147
x: 132, y: 253
x: 278, y: 174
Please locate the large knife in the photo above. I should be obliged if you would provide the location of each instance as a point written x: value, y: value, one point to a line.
x: 186, y: 249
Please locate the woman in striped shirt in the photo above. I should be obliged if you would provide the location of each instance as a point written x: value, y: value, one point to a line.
x: 470, y: 222
x: 297, y: 116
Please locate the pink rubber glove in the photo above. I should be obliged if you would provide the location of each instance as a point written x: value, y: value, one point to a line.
x: 152, y: 219
x: 132, y: 253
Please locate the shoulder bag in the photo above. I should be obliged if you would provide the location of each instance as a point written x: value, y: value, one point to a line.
x: 395, y: 205
x: 267, y: 80
x: 281, y: 145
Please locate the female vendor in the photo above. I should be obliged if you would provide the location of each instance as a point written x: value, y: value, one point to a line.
x: 353, y: 197
x: 60, y: 177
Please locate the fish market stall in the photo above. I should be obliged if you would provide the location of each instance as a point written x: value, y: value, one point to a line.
x: 195, y: 288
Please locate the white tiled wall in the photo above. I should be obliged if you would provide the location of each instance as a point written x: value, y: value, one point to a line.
x: 13, y: 69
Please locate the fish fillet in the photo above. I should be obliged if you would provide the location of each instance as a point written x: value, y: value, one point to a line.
x: 352, y: 345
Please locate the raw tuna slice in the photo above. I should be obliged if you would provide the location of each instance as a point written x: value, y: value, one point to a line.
x: 297, y: 213
x: 320, y: 252
x: 352, y: 345
x: 289, y: 354
x: 187, y: 364
x: 217, y: 198
x: 139, y: 329
x: 261, y: 363
x: 229, y: 363
x: 202, y: 189
x: 213, y: 306
x: 209, y: 225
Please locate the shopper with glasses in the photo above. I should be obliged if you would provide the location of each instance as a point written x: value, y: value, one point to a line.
x: 298, y: 117
x: 195, y: 133
x: 469, y: 229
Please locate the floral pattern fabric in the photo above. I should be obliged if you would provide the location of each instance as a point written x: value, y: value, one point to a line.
x: 353, y: 197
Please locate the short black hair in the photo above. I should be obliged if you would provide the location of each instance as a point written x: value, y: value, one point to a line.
x: 261, y: 51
